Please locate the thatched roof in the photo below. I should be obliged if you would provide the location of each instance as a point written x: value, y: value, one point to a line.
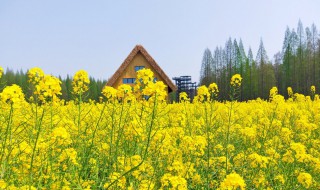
x: 152, y: 62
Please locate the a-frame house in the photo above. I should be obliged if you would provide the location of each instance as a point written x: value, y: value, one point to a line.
x: 138, y: 58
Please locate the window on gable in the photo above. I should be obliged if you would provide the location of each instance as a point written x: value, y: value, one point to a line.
x: 128, y: 80
x: 137, y: 68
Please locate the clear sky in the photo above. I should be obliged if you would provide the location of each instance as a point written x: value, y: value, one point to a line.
x: 62, y: 36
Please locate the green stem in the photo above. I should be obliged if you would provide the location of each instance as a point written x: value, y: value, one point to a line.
x: 88, y: 152
x: 4, y: 142
x: 229, y: 126
x: 208, y: 148
x: 145, y: 154
x: 38, y: 127
x: 111, y: 137
x: 79, y: 113
x: 119, y: 133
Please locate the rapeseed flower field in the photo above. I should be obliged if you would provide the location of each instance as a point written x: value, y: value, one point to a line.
x: 133, y: 139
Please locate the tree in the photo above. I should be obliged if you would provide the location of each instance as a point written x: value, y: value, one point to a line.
x: 301, y: 64
x: 277, y: 71
x: 261, y: 60
x: 296, y: 66
x: 247, y: 77
x: 235, y: 57
x: 293, y: 60
x: 216, y: 63
x: 242, y: 60
x: 308, y: 74
x: 314, y: 37
x: 228, y: 55
x: 286, y: 60
x: 206, y: 68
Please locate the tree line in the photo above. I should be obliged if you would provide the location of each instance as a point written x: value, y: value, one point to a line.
x: 297, y: 65
x: 20, y: 78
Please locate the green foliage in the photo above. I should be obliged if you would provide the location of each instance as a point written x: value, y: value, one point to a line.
x: 296, y: 66
x: 207, y: 72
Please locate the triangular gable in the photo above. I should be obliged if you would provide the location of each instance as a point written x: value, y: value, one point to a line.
x: 152, y: 62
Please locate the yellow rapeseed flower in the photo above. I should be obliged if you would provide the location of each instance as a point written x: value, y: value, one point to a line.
x: 144, y: 77
x: 120, y: 184
x: 167, y: 146
x: 257, y: 160
x: 280, y: 179
x: 173, y: 182
x: 12, y: 94
x: 1, y: 71
x: 290, y: 92
x: 69, y: 154
x: 157, y: 90
x: 273, y: 92
x: 146, y: 185
x: 27, y: 187
x: 233, y: 181
x: 213, y: 89
x: 183, y: 97
x: 124, y: 91
x: 3, y: 184
x: 305, y: 179
x: 313, y: 89
x: 202, y: 94
x: 48, y: 88
x: 80, y: 82
x: 35, y: 75
x: 236, y: 80
x: 109, y: 93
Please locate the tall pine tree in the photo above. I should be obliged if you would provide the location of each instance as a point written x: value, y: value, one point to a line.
x: 206, y: 74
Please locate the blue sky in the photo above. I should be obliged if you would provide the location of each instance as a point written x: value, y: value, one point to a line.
x: 62, y: 37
